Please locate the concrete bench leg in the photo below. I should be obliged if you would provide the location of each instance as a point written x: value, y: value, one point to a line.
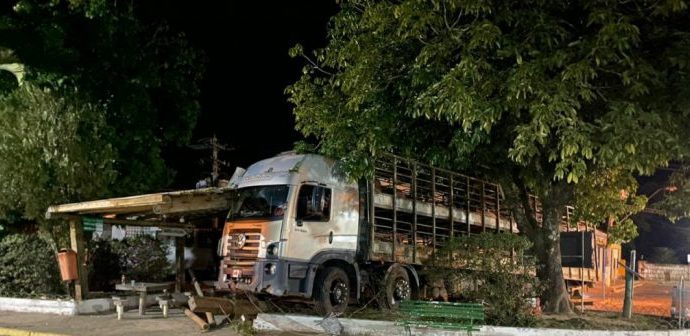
x: 164, y: 306
x: 142, y: 303
x: 164, y: 301
x: 119, y: 308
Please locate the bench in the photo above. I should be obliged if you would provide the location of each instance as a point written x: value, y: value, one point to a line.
x: 442, y: 315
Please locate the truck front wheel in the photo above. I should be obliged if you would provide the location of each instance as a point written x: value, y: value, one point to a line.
x: 332, y: 291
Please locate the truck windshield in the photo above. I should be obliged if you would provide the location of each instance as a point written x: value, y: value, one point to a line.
x: 260, y: 202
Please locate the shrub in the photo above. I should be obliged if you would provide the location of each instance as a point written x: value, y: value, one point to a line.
x: 139, y: 258
x: 28, y: 267
x: 144, y: 258
x: 105, y: 265
x: 482, y: 268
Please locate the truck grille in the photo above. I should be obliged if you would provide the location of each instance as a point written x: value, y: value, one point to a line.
x: 241, y: 252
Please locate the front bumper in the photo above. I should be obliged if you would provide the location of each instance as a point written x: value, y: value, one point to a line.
x: 290, y: 278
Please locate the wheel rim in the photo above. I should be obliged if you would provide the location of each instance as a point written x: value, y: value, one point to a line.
x: 401, y: 290
x: 339, y: 292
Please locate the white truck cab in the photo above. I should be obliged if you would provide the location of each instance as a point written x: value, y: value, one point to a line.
x: 293, y: 215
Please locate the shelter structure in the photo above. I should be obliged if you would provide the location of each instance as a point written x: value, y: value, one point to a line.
x: 176, y: 210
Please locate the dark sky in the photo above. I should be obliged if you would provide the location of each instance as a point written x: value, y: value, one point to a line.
x: 246, y: 46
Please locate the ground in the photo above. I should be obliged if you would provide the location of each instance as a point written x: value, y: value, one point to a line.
x: 650, y: 297
x: 152, y: 324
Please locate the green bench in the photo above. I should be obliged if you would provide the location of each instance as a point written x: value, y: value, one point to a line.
x: 442, y: 315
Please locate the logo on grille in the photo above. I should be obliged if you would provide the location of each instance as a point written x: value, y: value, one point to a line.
x: 238, y: 240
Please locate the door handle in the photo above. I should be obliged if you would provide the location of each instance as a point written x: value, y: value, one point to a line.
x: 330, y: 238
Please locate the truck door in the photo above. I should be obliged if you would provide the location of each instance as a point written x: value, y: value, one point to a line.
x: 310, y: 229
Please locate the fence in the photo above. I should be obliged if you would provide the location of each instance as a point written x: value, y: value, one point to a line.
x: 663, y: 272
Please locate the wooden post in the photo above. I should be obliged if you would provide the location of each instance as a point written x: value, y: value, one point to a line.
x: 483, y: 207
x: 498, y: 209
x: 433, y: 209
x: 395, y: 208
x: 451, y: 206
x: 179, y: 264
x: 467, y: 206
x: 414, y: 212
x: 372, y: 215
x: 76, y: 236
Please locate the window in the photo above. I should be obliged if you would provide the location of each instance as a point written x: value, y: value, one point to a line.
x: 314, y: 204
x: 260, y: 202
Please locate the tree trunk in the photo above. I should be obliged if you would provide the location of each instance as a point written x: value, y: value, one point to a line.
x: 555, y: 296
x: 545, y: 236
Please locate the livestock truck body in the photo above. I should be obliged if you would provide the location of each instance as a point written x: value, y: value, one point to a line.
x: 298, y: 228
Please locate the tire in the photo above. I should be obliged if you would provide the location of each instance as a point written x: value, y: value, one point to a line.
x: 397, y: 287
x: 332, y: 291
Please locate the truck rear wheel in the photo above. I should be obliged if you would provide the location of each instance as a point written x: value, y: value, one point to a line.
x: 397, y: 288
x: 332, y: 291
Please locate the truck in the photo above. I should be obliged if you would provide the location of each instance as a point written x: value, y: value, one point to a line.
x: 299, y: 228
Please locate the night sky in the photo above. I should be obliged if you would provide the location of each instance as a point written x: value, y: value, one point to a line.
x: 243, y: 102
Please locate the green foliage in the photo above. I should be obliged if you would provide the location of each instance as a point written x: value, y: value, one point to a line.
x: 8, y: 82
x: 53, y: 149
x: 609, y: 194
x: 243, y: 328
x: 622, y: 232
x: 541, y: 95
x: 663, y: 255
x: 574, y: 85
x: 483, y: 265
x: 143, y: 75
x: 676, y: 201
x: 143, y: 258
x: 28, y: 267
x: 139, y: 258
x: 105, y: 264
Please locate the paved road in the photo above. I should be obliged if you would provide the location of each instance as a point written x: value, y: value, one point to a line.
x: 152, y: 324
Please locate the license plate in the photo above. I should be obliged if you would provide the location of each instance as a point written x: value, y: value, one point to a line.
x: 236, y: 273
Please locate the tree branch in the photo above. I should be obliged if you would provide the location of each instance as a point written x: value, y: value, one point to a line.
x: 445, y: 19
x: 315, y: 65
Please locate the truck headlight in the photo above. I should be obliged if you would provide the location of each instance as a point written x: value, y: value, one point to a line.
x: 272, y: 249
x: 270, y: 269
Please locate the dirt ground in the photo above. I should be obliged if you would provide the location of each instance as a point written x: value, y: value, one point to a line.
x: 649, y: 298
x: 597, y: 320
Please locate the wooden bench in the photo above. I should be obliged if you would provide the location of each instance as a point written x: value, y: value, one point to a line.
x: 442, y: 315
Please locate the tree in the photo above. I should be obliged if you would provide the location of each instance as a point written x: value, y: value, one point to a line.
x: 142, y: 74
x: 563, y: 100
x: 54, y: 150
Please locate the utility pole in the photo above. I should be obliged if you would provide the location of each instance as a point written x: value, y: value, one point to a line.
x: 215, y: 169
x: 216, y: 147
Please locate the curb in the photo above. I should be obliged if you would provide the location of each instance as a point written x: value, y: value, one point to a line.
x: 21, y: 332
x: 67, y: 307
x: 310, y: 324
